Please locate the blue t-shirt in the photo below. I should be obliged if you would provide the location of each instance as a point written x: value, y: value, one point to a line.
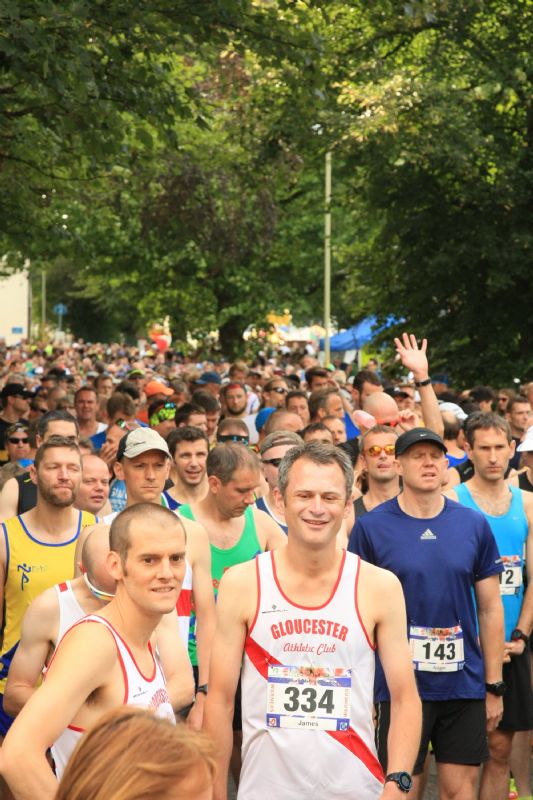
x: 118, y: 495
x: 510, y: 531
x: 437, y: 561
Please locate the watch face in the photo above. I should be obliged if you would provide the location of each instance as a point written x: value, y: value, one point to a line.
x: 404, y: 779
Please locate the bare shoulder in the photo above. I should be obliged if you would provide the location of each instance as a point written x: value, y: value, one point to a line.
x: 197, y: 539
x: 87, y: 640
x: 451, y: 494
x: 377, y: 580
x: 44, y: 609
x: 238, y: 588
x: 527, y: 499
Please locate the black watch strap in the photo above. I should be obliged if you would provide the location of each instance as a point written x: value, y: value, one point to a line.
x: 418, y: 384
x: 497, y: 689
x: 517, y: 634
x: 202, y: 688
x: 403, y: 780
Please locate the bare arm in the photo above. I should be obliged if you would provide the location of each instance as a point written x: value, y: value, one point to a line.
x: 38, y: 633
x: 268, y: 531
x: 9, y: 500
x: 491, y: 637
x: 237, y: 593
x: 3, y: 569
x: 415, y: 359
x: 174, y: 662
x: 78, y: 669
x: 395, y: 654
x: 525, y: 620
x: 204, y: 603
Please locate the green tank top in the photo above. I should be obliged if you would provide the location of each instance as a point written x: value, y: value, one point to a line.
x: 246, y: 549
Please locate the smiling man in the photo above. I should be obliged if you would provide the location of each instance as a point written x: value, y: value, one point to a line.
x: 441, y: 551
x: 107, y: 659
x: 307, y: 617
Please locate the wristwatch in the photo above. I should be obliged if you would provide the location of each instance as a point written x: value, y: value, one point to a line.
x: 202, y: 689
x: 518, y: 634
x: 422, y: 383
x: 402, y: 780
x: 497, y: 688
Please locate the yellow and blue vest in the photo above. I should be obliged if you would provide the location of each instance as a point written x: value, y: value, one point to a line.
x: 31, y: 567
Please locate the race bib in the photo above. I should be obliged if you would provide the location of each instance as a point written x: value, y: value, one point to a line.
x: 512, y: 576
x: 437, y: 649
x: 308, y: 698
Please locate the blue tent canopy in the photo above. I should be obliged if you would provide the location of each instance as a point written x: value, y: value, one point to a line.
x: 358, y: 335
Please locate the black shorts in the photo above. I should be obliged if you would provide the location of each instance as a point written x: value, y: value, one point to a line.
x: 518, y: 697
x: 457, y: 730
x: 237, y: 709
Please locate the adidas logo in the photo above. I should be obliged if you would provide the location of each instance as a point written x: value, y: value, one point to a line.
x: 427, y: 535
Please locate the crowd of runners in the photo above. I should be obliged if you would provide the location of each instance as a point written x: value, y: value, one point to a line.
x: 323, y: 578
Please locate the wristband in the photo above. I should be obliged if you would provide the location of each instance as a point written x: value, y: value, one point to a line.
x: 418, y: 384
x: 202, y: 689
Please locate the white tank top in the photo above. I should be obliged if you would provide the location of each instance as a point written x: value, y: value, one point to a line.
x: 307, y: 695
x: 139, y: 690
x: 70, y: 610
x: 184, y: 604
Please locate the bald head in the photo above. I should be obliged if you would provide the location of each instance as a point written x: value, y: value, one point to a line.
x: 93, y: 559
x: 283, y: 420
x: 382, y: 407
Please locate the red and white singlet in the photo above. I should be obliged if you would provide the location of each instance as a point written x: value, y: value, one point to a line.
x: 307, y: 691
x: 139, y: 690
x: 70, y: 610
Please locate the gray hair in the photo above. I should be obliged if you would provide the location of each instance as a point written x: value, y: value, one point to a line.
x: 321, y: 454
x: 278, y: 438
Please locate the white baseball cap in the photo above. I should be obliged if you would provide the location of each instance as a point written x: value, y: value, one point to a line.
x: 527, y: 445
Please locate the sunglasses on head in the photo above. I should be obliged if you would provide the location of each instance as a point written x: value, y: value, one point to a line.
x: 14, y: 440
x: 233, y: 437
x: 123, y: 424
x: 280, y: 390
x: 166, y: 412
x: 390, y: 423
x: 274, y: 461
x: 375, y: 450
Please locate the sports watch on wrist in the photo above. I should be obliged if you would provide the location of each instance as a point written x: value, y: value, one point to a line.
x: 497, y: 688
x: 422, y: 383
x: 517, y: 634
x: 402, y: 780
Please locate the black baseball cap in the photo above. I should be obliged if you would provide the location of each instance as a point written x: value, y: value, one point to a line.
x: 415, y: 436
x: 16, y: 390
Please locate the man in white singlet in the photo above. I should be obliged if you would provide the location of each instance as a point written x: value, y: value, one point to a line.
x: 57, y: 609
x: 105, y: 660
x: 143, y: 462
x: 307, y: 617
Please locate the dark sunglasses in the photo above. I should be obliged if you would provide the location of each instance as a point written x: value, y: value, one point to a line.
x: 14, y: 440
x: 280, y: 390
x: 274, y: 461
x: 233, y: 437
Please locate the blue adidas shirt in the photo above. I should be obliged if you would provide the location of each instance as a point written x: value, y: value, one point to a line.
x: 437, y: 561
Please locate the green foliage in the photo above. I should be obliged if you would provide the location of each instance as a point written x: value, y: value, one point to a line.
x: 167, y: 159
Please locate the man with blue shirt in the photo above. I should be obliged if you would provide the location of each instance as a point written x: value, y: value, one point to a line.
x: 440, y: 551
x: 509, y: 512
